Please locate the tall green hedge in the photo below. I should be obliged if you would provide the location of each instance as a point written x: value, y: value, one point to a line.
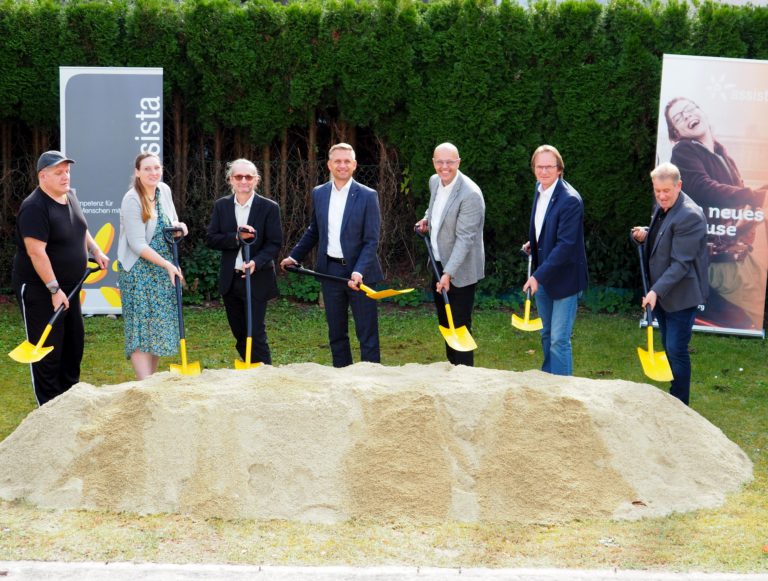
x: 404, y: 75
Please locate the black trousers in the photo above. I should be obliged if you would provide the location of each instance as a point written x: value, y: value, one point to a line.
x: 338, y: 299
x: 235, y: 306
x: 462, y: 301
x: 60, y: 369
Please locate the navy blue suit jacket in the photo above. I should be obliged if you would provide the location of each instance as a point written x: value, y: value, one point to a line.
x: 360, y: 228
x: 559, y: 256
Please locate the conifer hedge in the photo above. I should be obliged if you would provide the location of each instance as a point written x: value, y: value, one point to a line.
x: 280, y: 82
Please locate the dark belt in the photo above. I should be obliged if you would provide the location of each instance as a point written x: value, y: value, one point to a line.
x: 341, y: 261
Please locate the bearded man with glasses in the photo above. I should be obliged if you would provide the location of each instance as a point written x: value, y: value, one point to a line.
x: 260, y: 218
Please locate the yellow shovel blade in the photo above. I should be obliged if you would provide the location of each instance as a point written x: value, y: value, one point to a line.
x: 526, y: 323
x: 523, y: 325
x: 239, y: 364
x: 655, y: 365
x: 458, y: 338
x: 188, y: 369
x: 382, y: 294
x: 185, y: 368
x: 247, y: 364
x: 28, y: 353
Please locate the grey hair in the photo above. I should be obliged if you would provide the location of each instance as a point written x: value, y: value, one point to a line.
x: 666, y: 171
x: 231, y: 164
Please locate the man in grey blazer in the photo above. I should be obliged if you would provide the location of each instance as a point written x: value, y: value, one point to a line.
x: 455, y: 220
x: 676, y: 254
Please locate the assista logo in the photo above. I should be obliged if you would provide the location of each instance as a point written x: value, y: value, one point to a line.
x: 720, y: 88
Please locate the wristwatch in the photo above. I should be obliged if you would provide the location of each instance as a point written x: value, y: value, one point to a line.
x: 53, y: 286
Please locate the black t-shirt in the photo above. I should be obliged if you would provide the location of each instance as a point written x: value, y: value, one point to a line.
x: 62, y: 227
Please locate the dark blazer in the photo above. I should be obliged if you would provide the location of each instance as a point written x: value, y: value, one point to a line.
x: 559, y: 256
x: 677, y: 263
x: 360, y: 229
x: 222, y: 235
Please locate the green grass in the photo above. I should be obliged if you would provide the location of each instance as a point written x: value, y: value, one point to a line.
x: 730, y: 388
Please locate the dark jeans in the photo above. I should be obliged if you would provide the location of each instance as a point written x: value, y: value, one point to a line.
x: 676, y: 330
x: 339, y: 298
x: 462, y: 301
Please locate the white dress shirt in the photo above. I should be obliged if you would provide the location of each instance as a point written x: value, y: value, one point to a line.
x: 441, y: 197
x: 241, y: 215
x: 541, y: 207
x: 335, y: 216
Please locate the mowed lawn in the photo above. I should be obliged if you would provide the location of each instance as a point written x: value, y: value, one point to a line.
x: 730, y: 389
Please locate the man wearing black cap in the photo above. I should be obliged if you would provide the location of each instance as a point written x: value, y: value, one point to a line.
x: 52, y: 245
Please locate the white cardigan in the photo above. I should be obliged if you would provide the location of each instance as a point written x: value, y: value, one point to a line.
x: 135, y: 235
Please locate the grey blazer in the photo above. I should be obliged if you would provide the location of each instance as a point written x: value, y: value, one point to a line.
x: 460, y: 234
x: 135, y: 235
x: 678, y: 260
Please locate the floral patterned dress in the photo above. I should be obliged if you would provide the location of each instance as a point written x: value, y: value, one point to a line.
x: 149, y: 300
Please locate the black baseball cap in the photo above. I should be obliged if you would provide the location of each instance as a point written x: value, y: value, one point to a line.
x: 51, y: 158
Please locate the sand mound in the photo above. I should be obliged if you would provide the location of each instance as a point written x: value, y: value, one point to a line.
x: 419, y: 442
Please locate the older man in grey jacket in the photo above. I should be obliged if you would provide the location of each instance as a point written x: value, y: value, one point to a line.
x: 676, y: 252
x: 455, y: 220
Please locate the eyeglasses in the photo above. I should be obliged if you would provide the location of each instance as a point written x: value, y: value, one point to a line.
x: 678, y: 117
x: 240, y: 177
x: 545, y: 167
x: 448, y: 162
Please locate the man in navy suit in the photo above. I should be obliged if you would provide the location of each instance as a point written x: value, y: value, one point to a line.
x: 244, y: 208
x: 345, y: 227
x: 556, y: 243
x: 677, y: 257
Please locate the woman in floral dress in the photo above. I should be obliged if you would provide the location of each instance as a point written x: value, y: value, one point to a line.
x: 147, y: 272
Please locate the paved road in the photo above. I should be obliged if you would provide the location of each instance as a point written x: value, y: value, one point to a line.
x: 44, y: 571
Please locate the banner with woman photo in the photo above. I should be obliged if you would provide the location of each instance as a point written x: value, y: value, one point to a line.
x: 713, y: 125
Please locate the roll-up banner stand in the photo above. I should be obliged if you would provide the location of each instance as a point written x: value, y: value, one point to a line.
x: 108, y: 116
x: 713, y: 125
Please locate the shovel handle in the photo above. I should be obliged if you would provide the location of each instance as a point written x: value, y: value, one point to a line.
x: 644, y: 275
x: 299, y: 269
x: 435, y: 269
x: 248, y: 300
x: 76, y: 289
x: 169, y: 233
x: 173, y: 242
x: 240, y: 231
x: 528, y: 292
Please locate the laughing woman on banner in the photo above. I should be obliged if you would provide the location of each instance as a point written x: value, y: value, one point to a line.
x: 147, y: 271
x: 734, y: 212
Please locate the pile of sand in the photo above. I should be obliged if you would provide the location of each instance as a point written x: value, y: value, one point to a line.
x: 419, y: 442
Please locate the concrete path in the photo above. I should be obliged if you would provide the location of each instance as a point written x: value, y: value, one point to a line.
x: 44, y: 571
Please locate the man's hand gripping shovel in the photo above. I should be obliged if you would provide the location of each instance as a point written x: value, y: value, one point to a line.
x: 247, y: 243
x: 459, y: 338
x: 655, y: 363
x: 526, y: 323
x: 26, y: 352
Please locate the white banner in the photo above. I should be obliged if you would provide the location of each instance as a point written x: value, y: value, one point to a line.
x: 713, y: 124
x: 108, y: 116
